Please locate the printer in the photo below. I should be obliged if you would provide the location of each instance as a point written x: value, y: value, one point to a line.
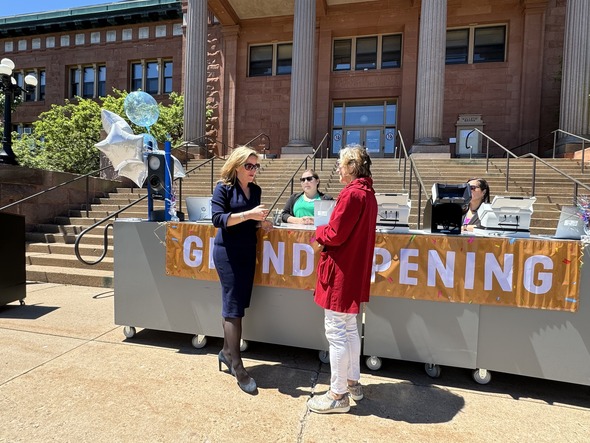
x: 508, y: 216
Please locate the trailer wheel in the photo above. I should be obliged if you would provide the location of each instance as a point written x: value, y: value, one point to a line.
x: 129, y: 331
x: 373, y: 363
x: 482, y: 376
x: 324, y: 357
x: 432, y: 370
x: 199, y: 341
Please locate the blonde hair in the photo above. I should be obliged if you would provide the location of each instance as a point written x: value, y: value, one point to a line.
x: 238, y: 157
x: 357, y: 159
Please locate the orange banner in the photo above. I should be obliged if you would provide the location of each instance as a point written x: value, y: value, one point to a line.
x: 533, y: 273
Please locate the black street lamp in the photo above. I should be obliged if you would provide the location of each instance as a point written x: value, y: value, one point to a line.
x: 9, y: 86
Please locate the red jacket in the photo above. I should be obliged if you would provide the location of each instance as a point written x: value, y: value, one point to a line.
x: 344, y: 269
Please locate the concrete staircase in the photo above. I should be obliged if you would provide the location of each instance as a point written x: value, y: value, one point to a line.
x: 50, y: 247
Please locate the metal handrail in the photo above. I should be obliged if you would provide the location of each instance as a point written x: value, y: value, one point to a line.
x: 311, y: 156
x: 208, y: 139
x: 53, y: 188
x: 116, y: 213
x: 535, y: 158
x: 105, y: 238
x: 584, y: 140
x: 262, y: 134
x: 413, y: 170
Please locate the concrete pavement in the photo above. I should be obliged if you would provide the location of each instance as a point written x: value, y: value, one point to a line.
x: 67, y: 373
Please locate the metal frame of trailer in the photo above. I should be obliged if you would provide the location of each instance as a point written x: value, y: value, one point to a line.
x: 547, y: 344
x: 146, y: 297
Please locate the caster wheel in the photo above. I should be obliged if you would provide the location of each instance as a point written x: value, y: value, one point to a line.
x: 373, y: 363
x: 22, y: 302
x: 324, y: 357
x: 199, y: 341
x: 482, y: 376
x: 432, y: 370
x: 129, y: 331
x: 243, y: 345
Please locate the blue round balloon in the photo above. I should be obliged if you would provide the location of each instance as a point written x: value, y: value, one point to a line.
x: 141, y: 108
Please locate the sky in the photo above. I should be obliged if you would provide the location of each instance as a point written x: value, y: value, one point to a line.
x: 16, y: 7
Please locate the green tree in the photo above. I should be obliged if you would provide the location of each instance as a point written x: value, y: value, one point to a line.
x: 64, y: 137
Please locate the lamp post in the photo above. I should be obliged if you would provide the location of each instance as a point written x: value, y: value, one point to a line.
x: 9, y: 86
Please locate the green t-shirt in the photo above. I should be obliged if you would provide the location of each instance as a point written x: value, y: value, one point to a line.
x: 303, y: 208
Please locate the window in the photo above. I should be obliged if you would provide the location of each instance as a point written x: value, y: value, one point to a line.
x: 41, y: 85
x: 482, y: 44
x: 36, y: 94
x: 363, y: 53
x: 366, y: 53
x: 489, y: 44
x: 391, y: 51
x: 153, y: 77
x: 88, y: 81
x: 284, y: 58
x: 267, y: 60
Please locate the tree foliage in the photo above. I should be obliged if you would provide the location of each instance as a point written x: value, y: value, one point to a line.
x: 63, y: 138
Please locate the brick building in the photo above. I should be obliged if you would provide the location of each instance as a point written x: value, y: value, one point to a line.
x: 296, y: 70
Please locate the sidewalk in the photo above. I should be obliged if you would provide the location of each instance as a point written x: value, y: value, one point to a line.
x: 67, y: 373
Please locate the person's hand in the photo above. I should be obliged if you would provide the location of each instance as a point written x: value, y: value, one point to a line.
x: 258, y: 213
x: 307, y: 220
x: 317, y: 247
x: 266, y: 225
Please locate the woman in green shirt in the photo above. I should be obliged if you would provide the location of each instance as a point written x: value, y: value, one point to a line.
x: 299, y: 207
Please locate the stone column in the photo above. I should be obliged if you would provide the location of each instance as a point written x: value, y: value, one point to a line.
x: 574, y: 115
x: 230, y: 69
x: 531, y: 82
x: 302, y: 82
x: 195, y: 71
x: 430, y: 85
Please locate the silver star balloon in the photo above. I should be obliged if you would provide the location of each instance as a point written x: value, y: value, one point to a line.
x: 121, y: 145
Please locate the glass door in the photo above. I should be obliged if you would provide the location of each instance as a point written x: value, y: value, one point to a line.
x: 371, y: 124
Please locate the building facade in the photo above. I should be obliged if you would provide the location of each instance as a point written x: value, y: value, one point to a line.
x: 349, y: 71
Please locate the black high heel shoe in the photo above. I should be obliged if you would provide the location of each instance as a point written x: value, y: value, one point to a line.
x: 221, y: 359
x: 249, y: 387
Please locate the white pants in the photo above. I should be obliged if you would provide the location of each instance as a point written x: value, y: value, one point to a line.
x: 345, y: 349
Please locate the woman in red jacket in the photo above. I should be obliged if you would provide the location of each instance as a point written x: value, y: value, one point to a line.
x: 344, y: 277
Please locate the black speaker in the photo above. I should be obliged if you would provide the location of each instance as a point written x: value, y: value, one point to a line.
x: 156, y: 178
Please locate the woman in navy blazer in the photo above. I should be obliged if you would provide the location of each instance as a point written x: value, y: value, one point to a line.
x: 237, y: 213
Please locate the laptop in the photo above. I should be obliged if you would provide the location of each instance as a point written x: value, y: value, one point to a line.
x: 322, y: 209
x: 570, y: 225
x: 198, y: 208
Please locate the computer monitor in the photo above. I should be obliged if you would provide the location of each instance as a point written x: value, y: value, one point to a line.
x: 198, y: 208
x: 570, y: 225
x: 393, y: 211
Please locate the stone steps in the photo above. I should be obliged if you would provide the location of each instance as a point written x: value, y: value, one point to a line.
x: 50, y: 248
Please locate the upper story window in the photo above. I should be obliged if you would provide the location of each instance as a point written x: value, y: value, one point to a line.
x: 88, y: 81
x: 476, y: 44
x: 37, y: 94
x: 363, y: 53
x: 274, y: 59
x: 153, y: 76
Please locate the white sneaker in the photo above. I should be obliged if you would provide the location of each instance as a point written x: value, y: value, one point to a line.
x: 356, y: 392
x: 325, y: 404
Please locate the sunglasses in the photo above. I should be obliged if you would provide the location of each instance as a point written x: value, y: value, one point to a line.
x: 251, y: 166
x: 302, y: 179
